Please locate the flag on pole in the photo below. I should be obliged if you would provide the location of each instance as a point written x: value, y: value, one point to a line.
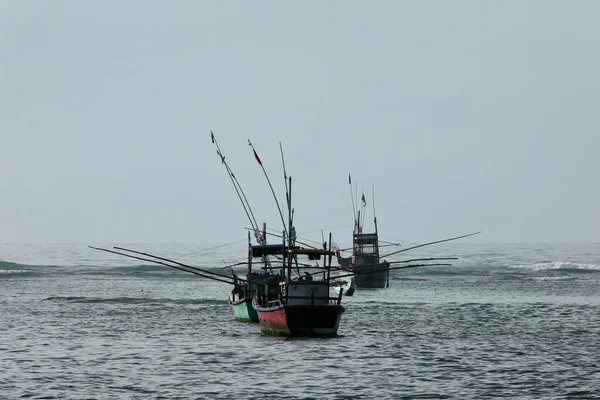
x: 364, y: 200
x: 256, y: 156
x: 212, y: 137
x: 349, y: 179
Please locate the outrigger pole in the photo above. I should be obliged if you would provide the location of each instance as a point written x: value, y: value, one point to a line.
x: 182, y: 267
x: 305, y: 266
x: 402, y: 267
x: 238, y: 189
x: 430, y: 243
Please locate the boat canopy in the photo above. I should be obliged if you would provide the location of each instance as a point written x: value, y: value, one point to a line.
x: 268, y: 250
x: 313, y: 254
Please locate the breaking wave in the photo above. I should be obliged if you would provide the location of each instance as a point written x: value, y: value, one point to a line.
x: 10, y: 269
x: 559, y: 266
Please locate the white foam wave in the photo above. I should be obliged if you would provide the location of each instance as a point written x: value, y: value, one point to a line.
x: 557, y: 265
x: 12, y: 271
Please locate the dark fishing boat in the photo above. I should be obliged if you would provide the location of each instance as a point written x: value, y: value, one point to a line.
x: 365, y: 264
x: 369, y: 271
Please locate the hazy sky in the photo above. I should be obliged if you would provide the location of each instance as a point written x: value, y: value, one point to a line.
x: 465, y: 115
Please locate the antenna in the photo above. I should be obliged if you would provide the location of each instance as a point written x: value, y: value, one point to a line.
x: 374, y: 216
x: 352, y: 198
x: 287, y: 196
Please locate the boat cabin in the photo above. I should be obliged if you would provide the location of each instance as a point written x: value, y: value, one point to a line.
x: 366, y: 248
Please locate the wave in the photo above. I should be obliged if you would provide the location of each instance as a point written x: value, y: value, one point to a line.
x: 8, y: 268
x: 134, y: 300
x: 559, y: 266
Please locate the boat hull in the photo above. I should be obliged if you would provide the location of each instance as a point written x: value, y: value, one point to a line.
x: 300, y: 320
x: 371, y: 276
x: 243, y: 311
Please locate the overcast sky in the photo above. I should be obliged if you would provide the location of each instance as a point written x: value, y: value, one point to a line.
x: 465, y: 115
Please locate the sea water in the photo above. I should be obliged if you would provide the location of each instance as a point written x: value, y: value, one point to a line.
x: 505, y: 320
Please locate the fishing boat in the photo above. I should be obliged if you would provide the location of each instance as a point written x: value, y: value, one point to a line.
x: 243, y: 291
x: 365, y: 263
x: 347, y: 287
x: 300, y: 306
x: 241, y: 296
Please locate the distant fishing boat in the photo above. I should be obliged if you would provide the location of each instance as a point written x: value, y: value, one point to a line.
x: 365, y: 262
x: 347, y: 287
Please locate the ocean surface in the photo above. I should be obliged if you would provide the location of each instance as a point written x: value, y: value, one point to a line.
x: 505, y: 320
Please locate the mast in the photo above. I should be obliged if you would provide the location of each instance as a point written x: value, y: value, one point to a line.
x: 249, y: 277
x: 329, y: 264
x: 376, y: 234
x: 290, y: 238
x: 374, y: 216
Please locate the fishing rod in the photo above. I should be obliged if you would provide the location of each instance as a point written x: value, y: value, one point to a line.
x: 237, y: 187
x: 212, y: 248
x: 389, y: 269
x: 190, y: 270
x: 390, y: 243
x: 430, y: 243
x: 234, y: 265
x: 402, y: 262
x: 174, y: 262
x: 271, y: 186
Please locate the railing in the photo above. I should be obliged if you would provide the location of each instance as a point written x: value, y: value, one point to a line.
x: 274, y: 303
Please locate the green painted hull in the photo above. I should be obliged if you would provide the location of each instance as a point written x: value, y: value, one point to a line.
x: 244, y: 312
